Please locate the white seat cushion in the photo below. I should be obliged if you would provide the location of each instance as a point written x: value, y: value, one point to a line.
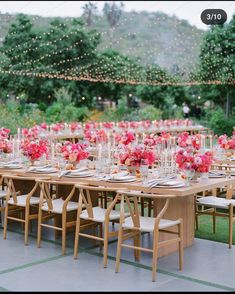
x: 99, y: 214
x: 3, y: 193
x: 21, y: 200
x: 147, y: 223
x: 216, y: 202
x: 57, y: 205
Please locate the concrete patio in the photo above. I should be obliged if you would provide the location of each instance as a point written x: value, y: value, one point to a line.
x: 208, y: 266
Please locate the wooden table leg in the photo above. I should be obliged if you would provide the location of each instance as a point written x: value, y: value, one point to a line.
x: 179, y: 207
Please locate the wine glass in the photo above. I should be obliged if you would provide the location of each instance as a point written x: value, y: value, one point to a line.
x: 189, y: 173
x: 144, y: 168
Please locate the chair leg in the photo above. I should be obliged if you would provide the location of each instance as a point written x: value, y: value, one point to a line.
x: 63, y: 234
x: 106, y: 239
x: 119, y: 248
x: 26, y: 225
x: 230, y: 226
x: 155, y: 254
x: 101, y: 235
x: 149, y: 207
x: 39, y: 228
x: 214, y: 220
x: 181, y: 245
x: 5, y: 222
x: 136, y: 240
x: 56, y: 223
x: 142, y: 206
x: 76, y: 240
x: 196, y: 221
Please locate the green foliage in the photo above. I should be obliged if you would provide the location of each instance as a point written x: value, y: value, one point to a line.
x: 218, y: 122
x: 63, y: 109
x: 217, y: 60
x: 148, y: 112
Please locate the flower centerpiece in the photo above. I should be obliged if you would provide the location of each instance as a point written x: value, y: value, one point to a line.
x: 150, y: 140
x: 190, y: 160
x: 126, y: 138
x: 74, y: 153
x: 227, y: 143
x: 34, y: 150
x: 132, y: 156
x: 4, y: 133
x: 6, y: 146
x: 185, y: 140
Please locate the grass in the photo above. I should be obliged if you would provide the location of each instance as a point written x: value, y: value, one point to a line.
x: 205, y: 230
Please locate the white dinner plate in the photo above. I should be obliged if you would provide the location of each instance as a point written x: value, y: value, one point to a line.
x: 44, y: 170
x: 170, y: 184
x: 11, y: 166
x: 78, y: 175
x: 122, y: 179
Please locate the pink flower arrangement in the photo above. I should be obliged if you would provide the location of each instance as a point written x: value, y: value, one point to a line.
x: 74, y: 152
x: 74, y: 126
x: 192, y: 160
x: 95, y: 137
x: 163, y: 137
x: 57, y: 127
x: 150, y: 140
x: 123, y: 124
x: 185, y: 140
x: 44, y: 126
x: 6, y: 146
x: 108, y: 125
x: 32, y: 133
x: 132, y: 155
x: 34, y: 150
x: 146, y: 124
x: 134, y: 124
x: 4, y: 133
x: 127, y: 138
x: 226, y: 142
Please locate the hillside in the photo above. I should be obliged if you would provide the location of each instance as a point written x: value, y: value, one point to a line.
x: 151, y: 37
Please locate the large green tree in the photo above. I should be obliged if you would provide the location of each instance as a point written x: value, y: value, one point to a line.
x: 217, y: 63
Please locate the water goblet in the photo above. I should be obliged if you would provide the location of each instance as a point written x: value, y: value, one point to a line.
x: 144, y: 169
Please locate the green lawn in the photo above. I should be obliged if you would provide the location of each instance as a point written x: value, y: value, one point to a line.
x: 205, y: 230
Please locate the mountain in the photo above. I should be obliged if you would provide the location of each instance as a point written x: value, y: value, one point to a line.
x: 154, y: 38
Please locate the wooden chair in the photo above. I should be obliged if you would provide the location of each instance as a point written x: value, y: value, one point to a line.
x: 52, y: 207
x: 16, y: 203
x: 131, y: 227
x: 212, y: 203
x: 3, y: 194
x: 96, y: 216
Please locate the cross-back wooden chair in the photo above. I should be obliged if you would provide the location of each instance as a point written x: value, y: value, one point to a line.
x: 17, y: 202
x: 95, y: 215
x: 215, y: 203
x: 131, y: 227
x: 52, y: 207
x: 3, y: 194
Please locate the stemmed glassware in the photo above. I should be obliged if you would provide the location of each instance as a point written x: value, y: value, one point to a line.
x: 144, y: 168
x: 189, y: 173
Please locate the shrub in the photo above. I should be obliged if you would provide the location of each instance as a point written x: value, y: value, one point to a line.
x: 219, y: 123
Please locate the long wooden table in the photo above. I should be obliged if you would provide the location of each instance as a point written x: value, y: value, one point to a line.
x: 181, y: 206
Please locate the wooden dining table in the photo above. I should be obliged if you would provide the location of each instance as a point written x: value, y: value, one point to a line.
x: 182, y: 206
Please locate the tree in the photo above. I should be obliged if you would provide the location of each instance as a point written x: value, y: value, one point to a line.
x: 38, y: 51
x: 89, y: 12
x: 113, y: 12
x: 217, y: 62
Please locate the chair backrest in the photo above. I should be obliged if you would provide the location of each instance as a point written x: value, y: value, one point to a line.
x: 129, y: 196
x: 46, y: 196
x: 85, y: 199
x: 11, y: 190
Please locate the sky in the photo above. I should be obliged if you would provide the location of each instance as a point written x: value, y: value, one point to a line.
x: 189, y: 10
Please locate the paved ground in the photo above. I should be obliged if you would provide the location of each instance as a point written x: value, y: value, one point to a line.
x: 208, y: 266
